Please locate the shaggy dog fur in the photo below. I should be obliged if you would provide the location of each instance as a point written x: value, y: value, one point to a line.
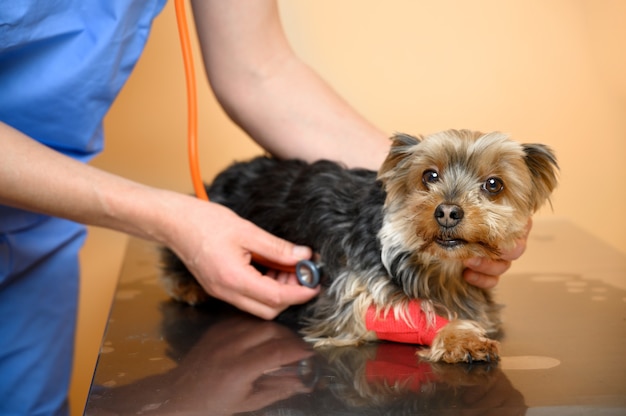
x: 394, y: 236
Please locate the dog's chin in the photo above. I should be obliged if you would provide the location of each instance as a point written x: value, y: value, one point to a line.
x: 451, y: 248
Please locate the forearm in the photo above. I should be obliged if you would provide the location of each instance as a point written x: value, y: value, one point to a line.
x: 213, y: 242
x: 273, y: 95
x: 36, y: 178
x: 310, y: 122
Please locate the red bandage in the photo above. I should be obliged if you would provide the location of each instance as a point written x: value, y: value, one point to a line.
x: 415, y: 330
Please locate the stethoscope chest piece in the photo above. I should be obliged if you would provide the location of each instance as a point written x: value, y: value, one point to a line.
x: 308, y: 273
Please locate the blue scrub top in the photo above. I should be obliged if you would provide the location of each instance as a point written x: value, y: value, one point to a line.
x: 62, y: 63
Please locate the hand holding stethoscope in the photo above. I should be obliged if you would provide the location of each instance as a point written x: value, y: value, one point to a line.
x: 308, y: 272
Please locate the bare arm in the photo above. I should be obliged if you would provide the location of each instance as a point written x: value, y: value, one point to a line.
x: 213, y: 242
x: 266, y: 89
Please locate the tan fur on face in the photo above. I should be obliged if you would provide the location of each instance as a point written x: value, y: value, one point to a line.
x: 464, y: 161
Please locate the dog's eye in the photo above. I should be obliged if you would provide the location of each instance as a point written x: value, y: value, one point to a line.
x: 430, y: 176
x: 493, y: 185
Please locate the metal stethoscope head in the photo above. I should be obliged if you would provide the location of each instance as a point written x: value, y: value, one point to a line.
x: 309, y: 273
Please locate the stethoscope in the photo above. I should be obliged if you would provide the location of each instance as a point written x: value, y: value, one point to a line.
x: 308, y: 272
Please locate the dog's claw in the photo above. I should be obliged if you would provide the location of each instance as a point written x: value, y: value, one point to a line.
x: 488, y: 359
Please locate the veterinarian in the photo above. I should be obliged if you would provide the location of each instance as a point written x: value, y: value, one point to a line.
x: 62, y: 64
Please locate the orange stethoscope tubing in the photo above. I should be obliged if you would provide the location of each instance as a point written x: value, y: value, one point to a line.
x: 192, y: 100
x: 192, y: 123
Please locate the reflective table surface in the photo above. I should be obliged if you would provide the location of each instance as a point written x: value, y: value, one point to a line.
x: 563, y: 351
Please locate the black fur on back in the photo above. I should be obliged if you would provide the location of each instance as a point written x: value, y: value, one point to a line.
x: 321, y: 205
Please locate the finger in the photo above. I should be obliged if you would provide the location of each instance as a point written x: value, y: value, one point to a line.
x: 278, y: 294
x: 485, y: 273
x: 488, y: 266
x: 480, y: 280
x: 292, y: 279
x: 283, y: 278
x: 263, y: 296
x: 246, y: 288
x: 274, y: 274
x: 272, y: 248
x: 516, y: 251
x: 520, y: 244
x: 254, y: 307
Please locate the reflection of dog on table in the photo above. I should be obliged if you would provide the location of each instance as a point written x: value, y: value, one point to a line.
x: 386, y: 377
x: 393, y: 243
x: 228, y: 362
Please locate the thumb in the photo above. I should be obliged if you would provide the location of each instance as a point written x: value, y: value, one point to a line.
x: 274, y: 252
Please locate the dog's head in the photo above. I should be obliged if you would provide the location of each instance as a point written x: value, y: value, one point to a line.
x: 459, y: 194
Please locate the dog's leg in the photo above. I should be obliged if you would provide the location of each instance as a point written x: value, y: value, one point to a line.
x: 337, y: 316
x: 344, y: 327
x: 462, y: 341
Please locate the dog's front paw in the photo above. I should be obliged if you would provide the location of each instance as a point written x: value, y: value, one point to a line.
x: 462, y: 341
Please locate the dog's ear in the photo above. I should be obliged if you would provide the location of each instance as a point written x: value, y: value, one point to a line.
x: 543, y: 168
x: 402, y: 146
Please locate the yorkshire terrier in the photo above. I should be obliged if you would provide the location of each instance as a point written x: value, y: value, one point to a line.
x: 395, y: 236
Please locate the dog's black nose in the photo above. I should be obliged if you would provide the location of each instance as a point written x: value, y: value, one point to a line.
x: 449, y: 215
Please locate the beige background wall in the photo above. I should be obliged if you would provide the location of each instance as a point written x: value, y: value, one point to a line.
x: 550, y: 72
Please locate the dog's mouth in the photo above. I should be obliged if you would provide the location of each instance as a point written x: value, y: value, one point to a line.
x: 450, y: 243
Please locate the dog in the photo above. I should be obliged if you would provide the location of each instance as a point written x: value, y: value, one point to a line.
x: 396, y: 235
